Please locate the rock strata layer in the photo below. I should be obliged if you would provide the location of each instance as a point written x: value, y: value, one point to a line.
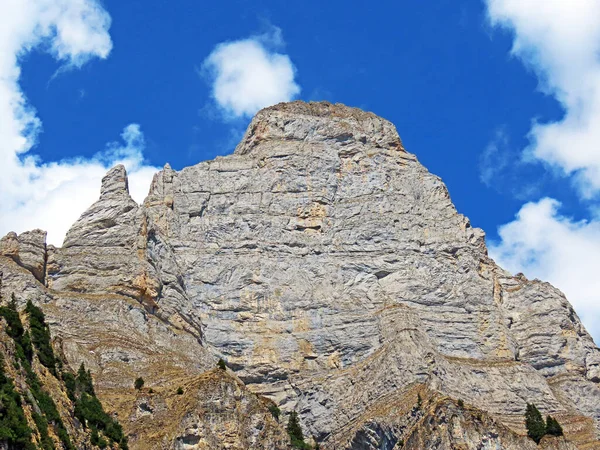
x: 332, y: 272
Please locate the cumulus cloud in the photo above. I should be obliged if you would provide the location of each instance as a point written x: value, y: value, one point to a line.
x: 51, y: 195
x: 544, y: 244
x: 249, y: 74
x: 560, y: 42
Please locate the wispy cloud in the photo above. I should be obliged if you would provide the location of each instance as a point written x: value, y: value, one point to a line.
x: 249, y: 74
x: 505, y: 169
x: 35, y: 193
x: 495, y: 158
x: 560, y: 42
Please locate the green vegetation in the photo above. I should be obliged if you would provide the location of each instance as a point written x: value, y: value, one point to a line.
x: 139, y: 383
x: 24, y: 354
x: 13, y: 426
x: 221, y: 364
x: 16, y: 331
x: 536, y: 428
x: 95, y: 439
x: 90, y: 413
x: 179, y: 390
x: 553, y: 428
x: 84, y: 381
x: 14, y: 326
x: 70, y: 384
x: 42, y: 426
x: 40, y: 336
x: 275, y: 411
x: 419, y: 401
x: 50, y: 415
x: 461, y: 404
x: 87, y: 408
x: 295, y: 432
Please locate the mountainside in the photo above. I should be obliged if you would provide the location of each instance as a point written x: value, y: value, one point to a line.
x: 333, y: 275
x: 42, y: 404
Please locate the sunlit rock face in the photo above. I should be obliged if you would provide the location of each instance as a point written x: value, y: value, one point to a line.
x: 332, y: 272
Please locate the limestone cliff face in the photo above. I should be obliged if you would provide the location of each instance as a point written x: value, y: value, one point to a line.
x: 334, y: 275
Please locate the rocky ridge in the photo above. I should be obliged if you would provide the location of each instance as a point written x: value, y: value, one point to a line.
x: 334, y: 275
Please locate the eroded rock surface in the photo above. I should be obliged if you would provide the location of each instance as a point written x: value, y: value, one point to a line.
x: 447, y: 426
x: 331, y: 271
x: 28, y: 250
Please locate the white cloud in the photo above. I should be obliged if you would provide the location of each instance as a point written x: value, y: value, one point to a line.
x: 560, y: 42
x: 248, y: 75
x: 57, y: 193
x: 52, y: 195
x: 543, y: 244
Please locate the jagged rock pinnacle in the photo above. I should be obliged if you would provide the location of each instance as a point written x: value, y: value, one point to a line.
x: 115, y: 182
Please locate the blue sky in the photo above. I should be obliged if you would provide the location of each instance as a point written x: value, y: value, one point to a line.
x: 464, y: 82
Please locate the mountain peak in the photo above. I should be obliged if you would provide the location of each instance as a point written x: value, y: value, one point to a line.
x: 315, y: 122
x: 332, y: 274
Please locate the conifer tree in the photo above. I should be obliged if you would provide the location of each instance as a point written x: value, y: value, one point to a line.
x: 295, y: 432
x: 536, y: 427
x: 84, y: 380
x: 139, y: 383
x: 553, y: 428
x: 40, y: 336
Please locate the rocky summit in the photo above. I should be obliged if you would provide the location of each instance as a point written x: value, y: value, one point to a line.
x: 331, y: 274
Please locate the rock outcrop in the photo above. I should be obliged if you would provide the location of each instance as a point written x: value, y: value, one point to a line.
x: 334, y: 275
x: 28, y: 250
x: 209, y: 411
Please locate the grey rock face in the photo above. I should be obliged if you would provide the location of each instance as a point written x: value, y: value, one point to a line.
x: 28, y: 250
x: 103, y: 246
x: 332, y: 272
x: 298, y: 250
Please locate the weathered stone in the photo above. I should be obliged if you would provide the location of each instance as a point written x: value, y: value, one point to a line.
x: 28, y: 250
x: 447, y: 426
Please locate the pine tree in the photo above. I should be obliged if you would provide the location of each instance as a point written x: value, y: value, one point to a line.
x: 84, y: 380
x: 14, y: 429
x: 553, y: 428
x: 139, y: 383
x: 40, y: 336
x: 536, y: 428
x: 295, y: 432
